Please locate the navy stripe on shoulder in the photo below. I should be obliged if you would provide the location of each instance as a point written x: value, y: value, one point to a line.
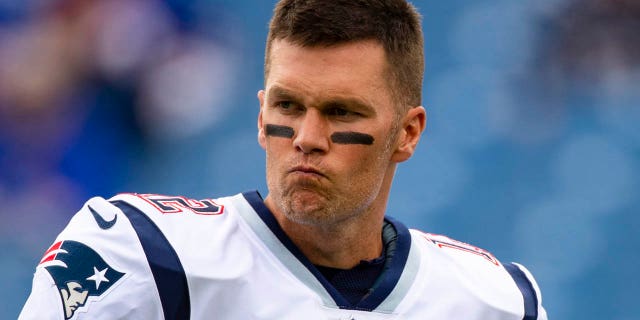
x: 527, y: 290
x: 167, y: 270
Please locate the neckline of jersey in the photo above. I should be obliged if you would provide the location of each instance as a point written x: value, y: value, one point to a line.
x: 385, y: 284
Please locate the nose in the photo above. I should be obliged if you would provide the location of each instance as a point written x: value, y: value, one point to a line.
x: 312, y: 133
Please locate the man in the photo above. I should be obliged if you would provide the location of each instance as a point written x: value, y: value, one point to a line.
x: 340, y: 109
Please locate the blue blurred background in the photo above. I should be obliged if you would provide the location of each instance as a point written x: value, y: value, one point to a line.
x: 532, y: 149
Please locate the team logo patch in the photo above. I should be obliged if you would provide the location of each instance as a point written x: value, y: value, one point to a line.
x: 80, y: 274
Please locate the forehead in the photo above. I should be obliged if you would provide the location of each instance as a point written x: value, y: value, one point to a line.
x: 356, y: 68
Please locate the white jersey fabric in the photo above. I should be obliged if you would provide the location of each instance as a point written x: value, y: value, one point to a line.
x: 143, y: 256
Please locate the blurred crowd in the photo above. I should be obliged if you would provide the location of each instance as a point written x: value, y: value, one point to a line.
x: 532, y: 147
x: 86, y: 86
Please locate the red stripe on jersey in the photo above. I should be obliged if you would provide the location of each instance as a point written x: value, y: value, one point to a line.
x: 49, y: 257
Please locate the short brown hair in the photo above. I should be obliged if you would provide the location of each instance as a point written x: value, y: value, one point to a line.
x: 395, y: 24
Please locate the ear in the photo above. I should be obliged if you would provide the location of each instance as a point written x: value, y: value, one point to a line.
x: 411, y: 129
x: 262, y: 139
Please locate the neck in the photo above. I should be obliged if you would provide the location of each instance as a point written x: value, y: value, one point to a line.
x: 339, y: 245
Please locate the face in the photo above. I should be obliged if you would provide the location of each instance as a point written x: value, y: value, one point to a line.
x: 74, y: 297
x: 331, y: 132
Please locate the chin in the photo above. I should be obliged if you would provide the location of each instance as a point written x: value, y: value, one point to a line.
x: 319, y: 213
x: 310, y: 218
x: 307, y: 208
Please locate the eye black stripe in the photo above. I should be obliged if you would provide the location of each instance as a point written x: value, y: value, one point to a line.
x: 279, y: 131
x: 351, y: 137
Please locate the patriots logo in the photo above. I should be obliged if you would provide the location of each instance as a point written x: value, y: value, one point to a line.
x: 79, y: 273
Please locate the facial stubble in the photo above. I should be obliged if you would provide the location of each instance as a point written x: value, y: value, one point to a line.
x: 310, y: 203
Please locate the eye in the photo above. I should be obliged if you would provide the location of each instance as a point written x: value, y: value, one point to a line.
x: 341, y: 112
x: 286, y: 105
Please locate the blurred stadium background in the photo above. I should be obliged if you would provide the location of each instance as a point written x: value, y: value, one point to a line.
x: 532, y: 149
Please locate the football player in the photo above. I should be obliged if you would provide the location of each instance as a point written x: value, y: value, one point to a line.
x: 341, y: 108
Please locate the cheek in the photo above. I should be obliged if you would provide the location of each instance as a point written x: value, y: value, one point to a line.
x: 275, y: 155
x: 363, y: 174
x: 374, y: 160
x: 363, y: 160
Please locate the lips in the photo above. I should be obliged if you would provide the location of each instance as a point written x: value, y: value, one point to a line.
x: 306, y: 170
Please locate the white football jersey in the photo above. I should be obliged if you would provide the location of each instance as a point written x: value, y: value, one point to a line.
x: 145, y: 256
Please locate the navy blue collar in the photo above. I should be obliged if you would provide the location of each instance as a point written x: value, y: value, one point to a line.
x: 385, y: 283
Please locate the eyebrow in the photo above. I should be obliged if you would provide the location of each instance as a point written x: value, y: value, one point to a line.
x: 277, y: 92
x: 281, y: 93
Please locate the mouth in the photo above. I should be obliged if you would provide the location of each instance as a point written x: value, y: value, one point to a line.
x: 306, y: 171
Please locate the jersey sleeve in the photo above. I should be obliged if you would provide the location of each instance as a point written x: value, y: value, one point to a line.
x: 95, y: 269
x: 530, y: 290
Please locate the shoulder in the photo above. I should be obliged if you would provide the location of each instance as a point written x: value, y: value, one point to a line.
x: 464, y: 270
x: 96, y: 262
x: 468, y: 265
x: 185, y: 228
x: 157, y: 205
x: 133, y: 251
x: 147, y: 215
x: 453, y: 249
x: 104, y: 214
x: 184, y: 223
x: 178, y: 216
